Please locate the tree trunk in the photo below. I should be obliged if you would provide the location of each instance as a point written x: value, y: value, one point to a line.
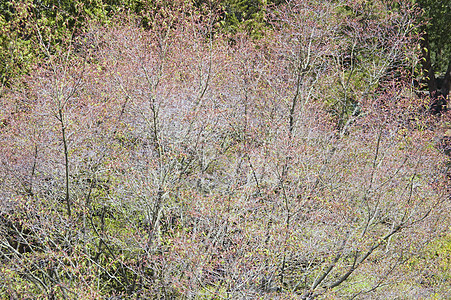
x: 438, y: 92
x: 446, y: 84
x: 428, y: 70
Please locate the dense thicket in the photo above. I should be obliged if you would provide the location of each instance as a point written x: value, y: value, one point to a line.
x: 151, y: 153
x: 23, y: 22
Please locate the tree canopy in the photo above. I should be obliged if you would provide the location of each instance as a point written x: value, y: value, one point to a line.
x: 176, y: 149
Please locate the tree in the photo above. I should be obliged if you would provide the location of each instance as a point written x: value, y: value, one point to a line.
x: 436, y: 51
x: 198, y: 168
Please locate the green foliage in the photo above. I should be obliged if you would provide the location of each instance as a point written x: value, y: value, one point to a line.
x: 245, y: 15
x: 53, y: 23
x: 440, y: 250
x: 15, y: 46
x: 437, y: 16
x: 24, y: 24
x: 433, y: 266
